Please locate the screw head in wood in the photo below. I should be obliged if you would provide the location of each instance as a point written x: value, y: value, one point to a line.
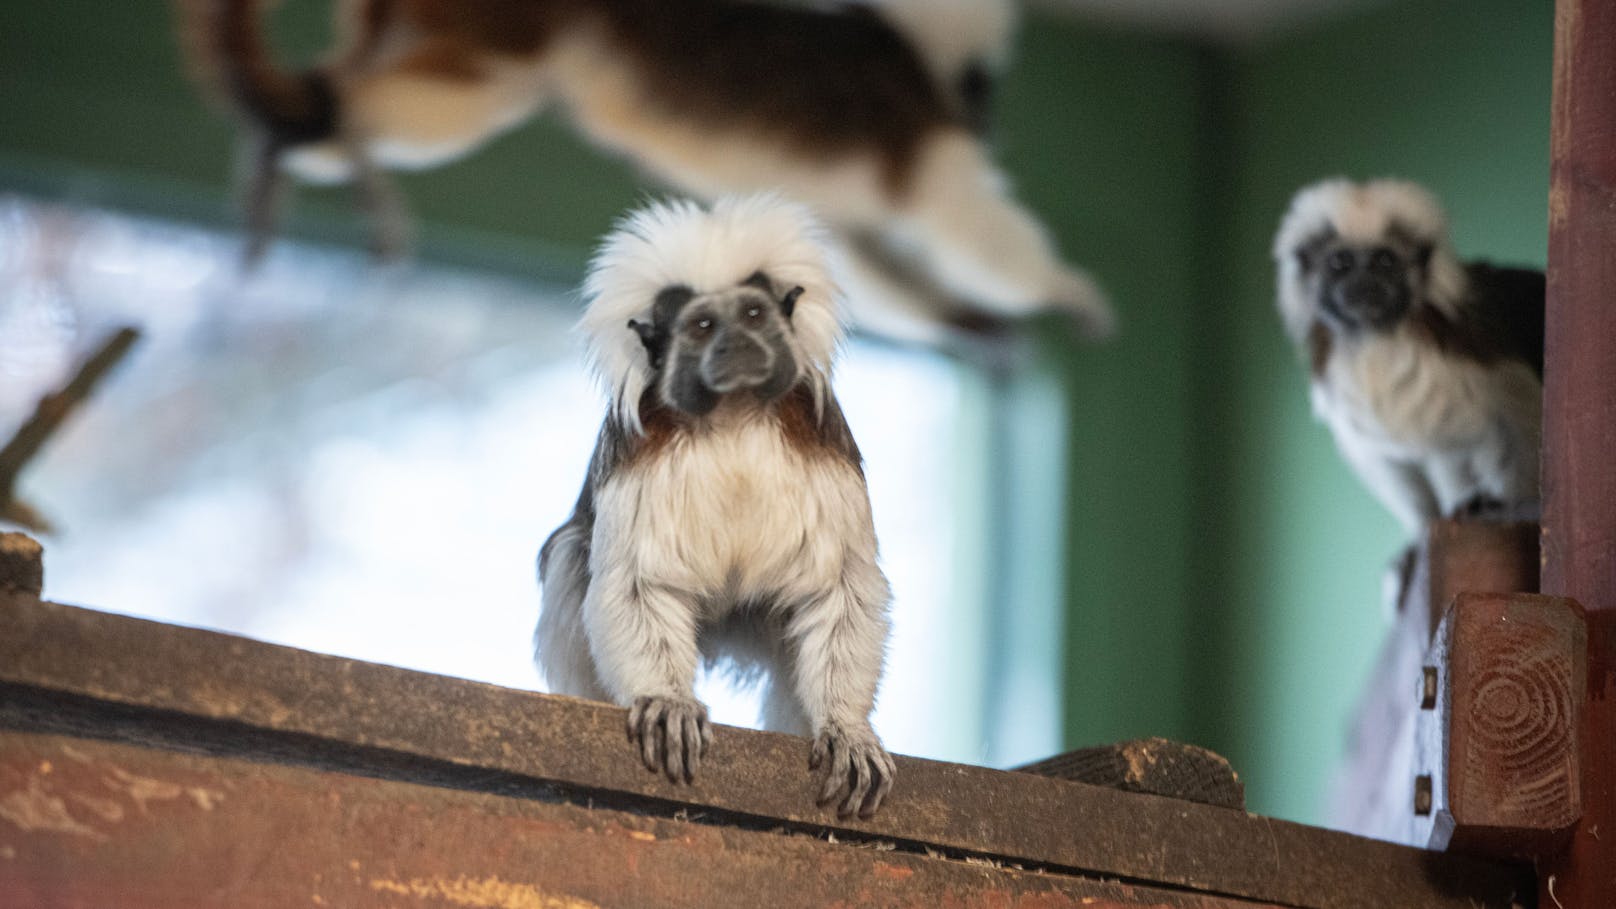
x: 1422, y: 794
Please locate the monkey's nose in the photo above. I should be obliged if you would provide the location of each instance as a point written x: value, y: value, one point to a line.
x: 735, y: 361
x: 1376, y: 302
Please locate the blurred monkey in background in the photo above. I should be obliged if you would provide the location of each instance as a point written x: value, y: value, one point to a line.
x: 870, y: 111
x: 1428, y: 370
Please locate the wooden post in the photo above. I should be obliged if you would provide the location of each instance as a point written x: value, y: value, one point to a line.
x: 1579, y: 431
x: 1502, y: 696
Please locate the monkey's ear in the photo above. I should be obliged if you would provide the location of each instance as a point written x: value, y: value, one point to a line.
x: 788, y: 303
x: 654, y: 339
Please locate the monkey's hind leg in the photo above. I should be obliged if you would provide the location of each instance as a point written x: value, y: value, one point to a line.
x: 381, y: 202
x: 985, y: 246
x: 839, y: 644
x: 262, y: 191
x: 559, y: 643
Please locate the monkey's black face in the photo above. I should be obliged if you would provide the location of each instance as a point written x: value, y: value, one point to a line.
x: 731, y: 342
x: 1364, y: 287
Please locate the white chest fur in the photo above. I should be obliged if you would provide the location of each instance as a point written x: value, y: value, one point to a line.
x: 1404, y: 396
x: 735, y: 512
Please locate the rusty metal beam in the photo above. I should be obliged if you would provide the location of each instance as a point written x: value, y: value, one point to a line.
x: 1579, y: 417
x: 112, y: 675
x: 87, y: 824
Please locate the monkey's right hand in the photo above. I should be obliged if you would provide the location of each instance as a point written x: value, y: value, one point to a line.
x: 673, y: 734
x: 858, y: 771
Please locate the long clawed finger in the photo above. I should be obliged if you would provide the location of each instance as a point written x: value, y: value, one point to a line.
x: 836, y: 777
x: 885, y: 771
x: 650, y: 737
x: 675, y: 748
x: 697, y: 735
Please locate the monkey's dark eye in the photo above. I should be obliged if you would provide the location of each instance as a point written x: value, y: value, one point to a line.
x: 1383, y: 261
x: 754, y: 312
x: 1340, y: 262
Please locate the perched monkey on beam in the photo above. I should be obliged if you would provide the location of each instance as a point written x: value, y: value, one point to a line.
x: 1428, y: 370
x: 724, y: 514
x: 870, y: 111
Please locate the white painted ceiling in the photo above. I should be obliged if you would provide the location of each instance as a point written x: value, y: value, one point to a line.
x: 1228, y: 21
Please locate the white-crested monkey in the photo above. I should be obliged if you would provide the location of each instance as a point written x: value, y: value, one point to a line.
x: 724, y: 515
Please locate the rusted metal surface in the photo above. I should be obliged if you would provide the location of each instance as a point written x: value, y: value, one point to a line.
x: 186, y: 686
x: 1157, y: 766
x: 1499, y: 741
x: 1579, y: 416
x: 93, y: 825
x: 1370, y: 792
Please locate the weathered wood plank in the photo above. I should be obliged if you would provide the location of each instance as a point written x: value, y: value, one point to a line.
x: 282, y: 700
x: 1157, y: 766
x: 1579, y: 417
x: 93, y: 825
x: 1499, y: 741
x: 22, y: 570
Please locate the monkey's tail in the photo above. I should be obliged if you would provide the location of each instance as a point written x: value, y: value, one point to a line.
x: 560, y: 644
x: 228, y: 53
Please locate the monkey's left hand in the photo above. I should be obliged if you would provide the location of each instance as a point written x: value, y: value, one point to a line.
x: 858, y: 766
x: 673, y: 735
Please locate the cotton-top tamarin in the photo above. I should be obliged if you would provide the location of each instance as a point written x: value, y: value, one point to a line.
x: 1428, y: 370
x: 724, y: 514
x: 870, y: 111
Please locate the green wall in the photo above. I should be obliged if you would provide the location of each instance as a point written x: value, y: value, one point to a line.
x: 1218, y: 566
x: 1111, y: 165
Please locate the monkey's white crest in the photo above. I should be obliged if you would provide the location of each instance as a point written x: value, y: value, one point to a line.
x: 1365, y: 212
x: 705, y: 249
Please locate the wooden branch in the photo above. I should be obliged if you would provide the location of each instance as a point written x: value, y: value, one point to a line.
x: 112, y: 677
x: 1579, y: 418
x: 48, y: 416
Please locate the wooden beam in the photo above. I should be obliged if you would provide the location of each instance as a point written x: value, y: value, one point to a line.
x: 87, y: 824
x: 1371, y: 789
x: 22, y: 570
x: 110, y: 676
x: 1498, y: 764
x: 1157, y: 766
x: 1579, y: 419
